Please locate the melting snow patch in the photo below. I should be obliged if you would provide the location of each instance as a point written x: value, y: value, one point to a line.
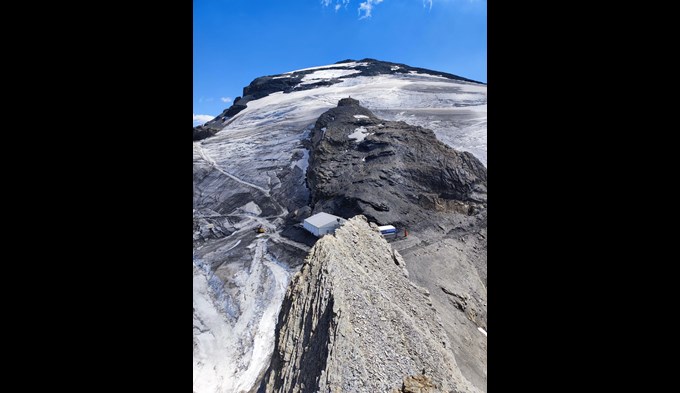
x: 482, y: 330
x: 345, y: 65
x: 302, y: 163
x: 231, y: 351
x: 429, y: 75
x: 326, y: 74
x: 313, y: 81
x: 360, y: 117
x: 359, y: 134
x: 251, y: 208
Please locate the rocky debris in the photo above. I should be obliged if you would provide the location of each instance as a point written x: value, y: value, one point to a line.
x: 454, y: 259
x: 391, y: 172
x: 417, y: 384
x: 352, y: 322
x: 464, y: 303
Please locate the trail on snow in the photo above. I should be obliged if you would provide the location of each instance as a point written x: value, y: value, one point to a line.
x: 214, y: 164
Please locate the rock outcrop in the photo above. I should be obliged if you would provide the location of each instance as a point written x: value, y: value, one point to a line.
x: 351, y: 321
x: 400, y: 174
x: 253, y: 174
x: 391, y: 172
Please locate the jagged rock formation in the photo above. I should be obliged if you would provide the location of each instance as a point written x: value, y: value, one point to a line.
x: 399, y: 174
x: 391, y: 172
x: 351, y: 321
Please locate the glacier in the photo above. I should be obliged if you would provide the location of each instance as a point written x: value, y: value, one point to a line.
x: 252, y: 174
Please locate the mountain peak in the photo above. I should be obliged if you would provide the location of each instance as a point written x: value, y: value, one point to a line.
x: 317, y: 77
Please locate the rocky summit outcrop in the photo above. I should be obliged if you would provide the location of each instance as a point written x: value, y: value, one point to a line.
x: 351, y: 321
x: 391, y: 172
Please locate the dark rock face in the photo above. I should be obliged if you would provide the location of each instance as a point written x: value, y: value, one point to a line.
x: 265, y: 85
x: 286, y: 83
x: 391, y: 172
x: 215, y: 125
x: 202, y: 132
x: 234, y: 109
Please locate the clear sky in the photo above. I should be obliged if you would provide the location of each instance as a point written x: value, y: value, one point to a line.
x: 236, y: 41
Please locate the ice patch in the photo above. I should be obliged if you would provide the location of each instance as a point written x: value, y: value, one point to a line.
x: 251, y: 208
x: 302, y: 163
x: 327, y: 74
x: 342, y: 65
x: 345, y: 65
x: 359, y: 134
x: 211, y: 330
x: 229, y: 355
x: 312, y: 81
x: 431, y: 76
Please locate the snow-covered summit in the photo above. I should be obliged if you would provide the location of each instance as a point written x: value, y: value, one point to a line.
x: 452, y: 106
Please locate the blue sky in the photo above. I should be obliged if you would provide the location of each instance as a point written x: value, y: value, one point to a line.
x: 236, y: 41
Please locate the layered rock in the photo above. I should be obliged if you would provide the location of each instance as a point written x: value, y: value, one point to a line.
x: 351, y: 321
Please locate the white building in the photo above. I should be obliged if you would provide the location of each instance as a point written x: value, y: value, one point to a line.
x: 387, y: 230
x: 322, y: 223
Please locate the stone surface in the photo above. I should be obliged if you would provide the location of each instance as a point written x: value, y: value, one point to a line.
x: 351, y: 321
x: 403, y: 176
x: 398, y: 174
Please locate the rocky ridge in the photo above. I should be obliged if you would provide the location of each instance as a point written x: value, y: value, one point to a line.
x: 351, y: 321
x: 392, y: 172
x: 400, y: 174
